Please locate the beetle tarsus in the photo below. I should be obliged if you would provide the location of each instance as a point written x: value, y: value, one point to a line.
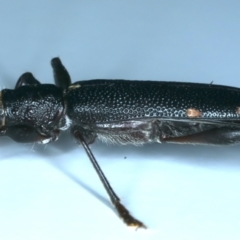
x: 127, y: 218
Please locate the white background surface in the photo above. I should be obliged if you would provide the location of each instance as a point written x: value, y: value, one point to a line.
x: 180, y: 192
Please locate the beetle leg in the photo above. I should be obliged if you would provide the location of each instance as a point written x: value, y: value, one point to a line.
x: 88, y: 136
x: 61, y: 76
x: 121, y: 210
x: 216, y: 136
x: 26, y: 134
x: 27, y: 79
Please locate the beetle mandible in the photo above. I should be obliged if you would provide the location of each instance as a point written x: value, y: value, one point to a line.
x: 119, y: 111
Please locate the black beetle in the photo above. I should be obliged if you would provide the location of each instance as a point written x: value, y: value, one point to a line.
x: 119, y: 111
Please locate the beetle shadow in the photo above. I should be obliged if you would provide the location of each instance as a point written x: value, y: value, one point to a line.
x: 202, y: 156
x: 85, y: 186
x: 48, y: 152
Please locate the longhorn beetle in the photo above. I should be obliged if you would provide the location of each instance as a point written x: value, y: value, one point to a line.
x: 119, y: 111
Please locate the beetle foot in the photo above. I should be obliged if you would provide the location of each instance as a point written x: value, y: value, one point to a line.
x: 127, y: 217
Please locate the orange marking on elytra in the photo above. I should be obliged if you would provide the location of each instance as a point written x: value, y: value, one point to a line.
x: 238, y: 110
x: 193, y: 113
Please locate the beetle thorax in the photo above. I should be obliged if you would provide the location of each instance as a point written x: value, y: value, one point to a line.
x: 38, y: 107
